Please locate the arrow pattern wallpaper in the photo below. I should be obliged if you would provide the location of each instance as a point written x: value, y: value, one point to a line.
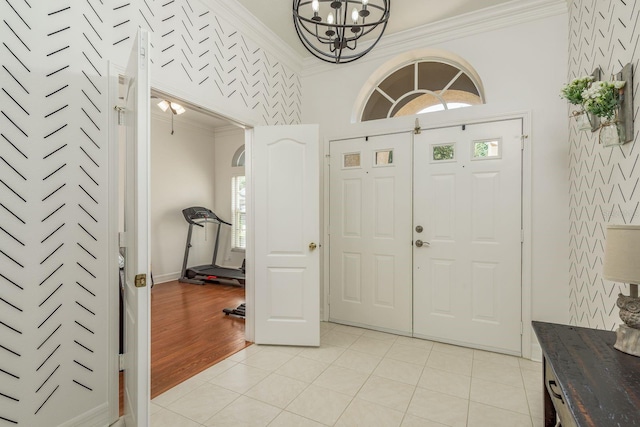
x: 54, y: 176
x: 202, y: 52
x: 604, y: 180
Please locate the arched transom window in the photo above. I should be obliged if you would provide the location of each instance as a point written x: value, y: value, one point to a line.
x: 420, y: 87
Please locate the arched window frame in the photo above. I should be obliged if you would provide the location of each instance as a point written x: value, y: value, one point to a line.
x: 413, y: 57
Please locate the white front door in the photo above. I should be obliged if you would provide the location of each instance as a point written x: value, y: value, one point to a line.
x: 136, y: 235
x: 370, y: 232
x: 286, y: 219
x: 467, y: 204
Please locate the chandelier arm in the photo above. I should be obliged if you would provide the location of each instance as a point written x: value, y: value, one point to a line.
x: 320, y: 38
x: 320, y: 54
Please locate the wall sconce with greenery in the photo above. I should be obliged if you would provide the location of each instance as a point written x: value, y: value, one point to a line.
x: 573, y: 93
x: 602, y: 99
x: 607, y: 101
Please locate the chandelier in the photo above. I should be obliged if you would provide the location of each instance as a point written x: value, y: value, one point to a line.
x: 335, y: 38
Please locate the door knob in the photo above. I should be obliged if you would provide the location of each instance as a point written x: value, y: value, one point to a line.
x: 420, y: 243
x: 312, y: 246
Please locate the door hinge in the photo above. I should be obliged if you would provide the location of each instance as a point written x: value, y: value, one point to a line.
x: 522, y: 138
x: 521, y: 236
x: 122, y: 239
x: 120, y: 111
x: 521, y: 328
x: 121, y: 362
x: 141, y: 280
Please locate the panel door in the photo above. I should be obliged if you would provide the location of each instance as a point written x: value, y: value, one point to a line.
x: 370, y: 232
x: 467, y: 200
x: 136, y: 235
x: 285, y: 186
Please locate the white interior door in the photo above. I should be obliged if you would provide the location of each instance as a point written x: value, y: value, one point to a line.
x: 467, y: 199
x: 136, y: 235
x: 285, y: 188
x: 370, y: 232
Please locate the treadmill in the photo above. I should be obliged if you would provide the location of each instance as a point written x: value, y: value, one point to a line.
x: 207, y: 273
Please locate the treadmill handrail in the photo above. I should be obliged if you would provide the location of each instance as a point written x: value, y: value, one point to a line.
x: 205, y: 215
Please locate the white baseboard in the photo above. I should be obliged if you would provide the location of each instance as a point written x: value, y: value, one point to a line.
x: 536, y: 352
x: 98, y: 417
x: 169, y: 277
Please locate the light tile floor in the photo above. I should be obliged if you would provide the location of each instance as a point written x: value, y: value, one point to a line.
x: 358, y: 377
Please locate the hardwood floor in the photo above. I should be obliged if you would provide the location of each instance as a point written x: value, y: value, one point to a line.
x: 189, y: 331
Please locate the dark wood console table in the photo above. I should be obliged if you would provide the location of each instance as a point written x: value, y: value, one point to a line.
x: 586, y: 381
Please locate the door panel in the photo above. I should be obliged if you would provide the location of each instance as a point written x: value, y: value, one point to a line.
x: 136, y: 240
x: 287, y: 230
x: 370, y: 232
x: 467, y: 277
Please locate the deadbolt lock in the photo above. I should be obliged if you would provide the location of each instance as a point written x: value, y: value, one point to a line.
x: 419, y: 229
x: 141, y: 280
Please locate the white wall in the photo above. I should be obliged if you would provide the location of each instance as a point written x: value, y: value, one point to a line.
x: 227, y: 142
x: 182, y: 175
x: 522, y: 67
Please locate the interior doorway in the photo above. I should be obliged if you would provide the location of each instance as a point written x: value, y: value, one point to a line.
x: 189, y: 331
x: 191, y: 165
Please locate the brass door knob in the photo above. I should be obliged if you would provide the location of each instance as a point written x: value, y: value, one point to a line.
x: 312, y: 246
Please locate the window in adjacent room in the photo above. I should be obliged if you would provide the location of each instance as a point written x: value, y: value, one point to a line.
x: 238, y: 202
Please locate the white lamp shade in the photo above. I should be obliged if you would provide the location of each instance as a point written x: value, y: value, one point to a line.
x: 622, y: 254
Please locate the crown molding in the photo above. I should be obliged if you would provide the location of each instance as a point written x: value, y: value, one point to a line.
x: 492, y: 18
x: 182, y: 121
x: 229, y: 130
x: 244, y: 21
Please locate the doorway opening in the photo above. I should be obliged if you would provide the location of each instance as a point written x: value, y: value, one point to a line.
x: 190, y: 163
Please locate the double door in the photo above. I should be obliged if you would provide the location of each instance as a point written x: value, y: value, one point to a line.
x: 449, y: 261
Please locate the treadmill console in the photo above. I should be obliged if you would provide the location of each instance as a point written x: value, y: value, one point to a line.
x: 197, y: 212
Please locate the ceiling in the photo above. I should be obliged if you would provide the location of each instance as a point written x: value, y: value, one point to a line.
x: 277, y: 15
x: 404, y: 15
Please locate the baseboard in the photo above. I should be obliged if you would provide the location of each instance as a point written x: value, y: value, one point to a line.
x: 536, y: 352
x: 98, y: 417
x: 169, y: 277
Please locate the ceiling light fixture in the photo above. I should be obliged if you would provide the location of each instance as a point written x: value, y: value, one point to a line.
x: 174, y: 107
x: 336, y: 38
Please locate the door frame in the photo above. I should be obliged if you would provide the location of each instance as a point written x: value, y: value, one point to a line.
x: 115, y: 71
x: 400, y: 124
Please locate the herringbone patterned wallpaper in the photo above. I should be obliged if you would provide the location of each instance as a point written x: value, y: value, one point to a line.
x: 54, y: 169
x: 604, y: 181
x: 204, y: 53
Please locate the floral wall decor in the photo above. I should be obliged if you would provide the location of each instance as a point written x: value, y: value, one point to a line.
x: 603, y: 100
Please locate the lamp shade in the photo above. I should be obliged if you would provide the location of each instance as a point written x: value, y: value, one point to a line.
x: 622, y: 254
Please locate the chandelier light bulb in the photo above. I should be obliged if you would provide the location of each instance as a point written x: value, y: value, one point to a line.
x: 365, y: 3
x: 330, y: 18
x: 355, y: 15
x: 315, y: 5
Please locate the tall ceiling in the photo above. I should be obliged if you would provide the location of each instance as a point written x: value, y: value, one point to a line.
x: 405, y: 14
